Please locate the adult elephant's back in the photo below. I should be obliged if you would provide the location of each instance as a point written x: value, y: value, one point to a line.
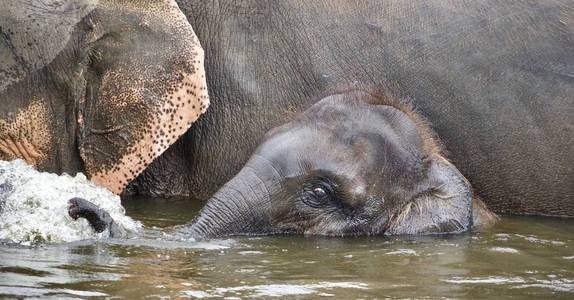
x: 494, y: 78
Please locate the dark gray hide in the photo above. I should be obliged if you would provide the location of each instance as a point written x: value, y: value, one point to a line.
x: 494, y: 78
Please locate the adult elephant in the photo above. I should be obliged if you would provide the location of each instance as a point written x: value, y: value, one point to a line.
x: 493, y: 78
x: 100, y: 86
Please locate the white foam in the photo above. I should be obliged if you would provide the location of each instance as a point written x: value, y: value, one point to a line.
x: 276, y: 290
x: 36, y: 292
x: 250, y: 252
x: 537, y: 240
x: 559, y: 285
x: 196, y: 294
x: 485, y: 280
x: 403, y: 252
x: 36, y: 207
x: 504, y: 250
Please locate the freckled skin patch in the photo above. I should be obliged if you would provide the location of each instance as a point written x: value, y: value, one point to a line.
x: 27, y: 135
x: 144, y: 104
x: 155, y: 139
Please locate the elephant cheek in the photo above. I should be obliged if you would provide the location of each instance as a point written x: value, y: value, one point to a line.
x: 142, y: 106
x: 28, y: 134
x: 141, y: 141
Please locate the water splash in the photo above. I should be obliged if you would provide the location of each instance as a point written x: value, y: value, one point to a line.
x: 33, y: 206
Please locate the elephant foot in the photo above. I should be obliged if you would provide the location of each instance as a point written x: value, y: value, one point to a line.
x: 98, y: 218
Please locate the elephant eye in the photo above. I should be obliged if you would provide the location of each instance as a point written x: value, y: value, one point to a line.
x: 319, y: 192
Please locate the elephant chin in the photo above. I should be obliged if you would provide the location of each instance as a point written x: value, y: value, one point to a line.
x: 447, y: 209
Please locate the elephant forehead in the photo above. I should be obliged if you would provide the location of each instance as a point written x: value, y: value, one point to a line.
x: 309, y: 148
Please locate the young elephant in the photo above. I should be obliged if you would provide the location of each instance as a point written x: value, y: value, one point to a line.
x: 352, y: 164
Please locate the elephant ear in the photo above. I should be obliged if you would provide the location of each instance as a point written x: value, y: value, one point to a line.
x: 33, y: 33
x: 446, y: 206
x: 145, y: 88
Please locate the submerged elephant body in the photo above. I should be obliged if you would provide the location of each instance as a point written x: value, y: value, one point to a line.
x: 493, y: 79
x: 352, y: 164
x: 318, y: 122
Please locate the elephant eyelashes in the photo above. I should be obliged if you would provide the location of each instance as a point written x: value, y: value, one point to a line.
x: 316, y: 198
x: 320, y: 192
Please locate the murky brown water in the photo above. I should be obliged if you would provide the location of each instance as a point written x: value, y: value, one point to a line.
x: 521, y: 257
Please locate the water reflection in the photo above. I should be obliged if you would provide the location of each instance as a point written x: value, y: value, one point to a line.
x: 520, y: 257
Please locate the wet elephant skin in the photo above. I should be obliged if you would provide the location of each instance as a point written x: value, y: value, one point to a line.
x: 493, y: 78
x: 97, y: 86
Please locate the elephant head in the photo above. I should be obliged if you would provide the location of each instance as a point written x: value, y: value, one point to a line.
x: 101, y: 86
x: 355, y: 163
x: 352, y: 164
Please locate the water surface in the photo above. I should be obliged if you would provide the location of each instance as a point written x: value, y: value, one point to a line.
x: 520, y: 257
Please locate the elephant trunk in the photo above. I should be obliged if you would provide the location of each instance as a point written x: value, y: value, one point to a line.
x: 239, y: 207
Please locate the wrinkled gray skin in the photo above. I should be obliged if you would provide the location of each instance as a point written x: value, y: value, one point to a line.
x: 86, y: 85
x: 345, y: 167
x: 493, y: 78
x: 99, y: 219
x: 352, y: 164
